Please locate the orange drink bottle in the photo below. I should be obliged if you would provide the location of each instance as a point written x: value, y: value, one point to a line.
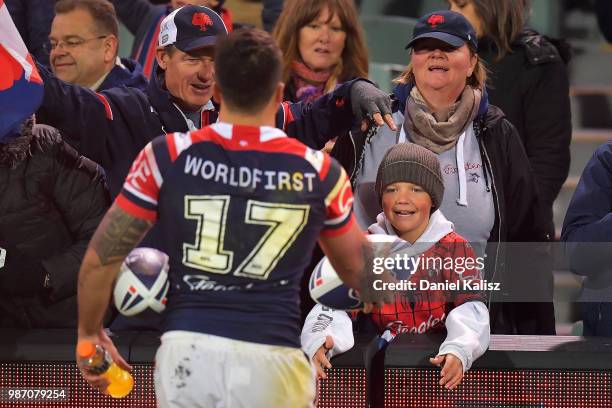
x: 99, y: 361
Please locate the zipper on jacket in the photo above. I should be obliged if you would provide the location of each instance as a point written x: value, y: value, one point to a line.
x: 370, y: 132
x: 485, y: 170
x: 186, y: 120
x: 487, y: 160
x: 354, y: 172
x: 163, y: 128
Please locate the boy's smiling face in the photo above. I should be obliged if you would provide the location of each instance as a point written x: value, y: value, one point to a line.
x: 407, y: 206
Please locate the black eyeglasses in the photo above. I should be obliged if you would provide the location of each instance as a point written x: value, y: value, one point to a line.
x: 71, y: 43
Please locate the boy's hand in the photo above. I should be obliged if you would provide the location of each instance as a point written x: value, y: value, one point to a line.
x: 320, y: 357
x: 452, y: 370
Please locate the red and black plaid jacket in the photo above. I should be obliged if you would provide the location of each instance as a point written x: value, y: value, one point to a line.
x: 419, y: 311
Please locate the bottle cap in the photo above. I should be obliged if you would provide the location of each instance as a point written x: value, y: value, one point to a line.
x: 86, y: 349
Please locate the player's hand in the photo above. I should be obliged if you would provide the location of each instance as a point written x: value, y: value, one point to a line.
x: 371, y: 106
x: 107, y: 343
x: 97, y: 381
x: 320, y: 357
x: 452, y: 370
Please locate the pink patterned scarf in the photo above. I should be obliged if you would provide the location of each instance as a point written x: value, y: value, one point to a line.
x: 309, y: 85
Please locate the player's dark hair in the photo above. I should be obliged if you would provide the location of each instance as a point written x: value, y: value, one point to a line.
x: 248, y: 67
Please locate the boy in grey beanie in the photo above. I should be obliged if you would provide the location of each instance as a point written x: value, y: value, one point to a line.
x: 409, y: 187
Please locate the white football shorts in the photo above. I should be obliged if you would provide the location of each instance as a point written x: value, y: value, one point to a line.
x: 195, y: 370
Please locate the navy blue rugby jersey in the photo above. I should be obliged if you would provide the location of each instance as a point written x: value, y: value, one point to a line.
x: 240, y: 210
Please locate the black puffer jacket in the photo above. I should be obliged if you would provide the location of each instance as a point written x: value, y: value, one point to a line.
x: 603, y: 10
x: 50, y: 206
x: 531, y: 86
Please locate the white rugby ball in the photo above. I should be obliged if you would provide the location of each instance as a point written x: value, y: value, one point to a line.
x: 142, y: 283
x: 326, y: 287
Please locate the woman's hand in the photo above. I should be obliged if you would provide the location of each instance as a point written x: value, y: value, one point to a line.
x: 320, y: 357
x: 452, y: 370
x: 371, y: 106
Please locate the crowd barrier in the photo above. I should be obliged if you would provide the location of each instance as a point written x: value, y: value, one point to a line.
x: 516, y: 372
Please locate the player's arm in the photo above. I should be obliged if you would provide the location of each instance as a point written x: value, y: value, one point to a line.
x: 123, y: 227
x: 117, y: 234
x: 343, y: 241
x: 334, y: 113
x: 350, y: 254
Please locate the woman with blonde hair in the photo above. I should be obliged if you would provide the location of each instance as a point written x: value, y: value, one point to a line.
x: 322, y: 44
x: 490, y: 193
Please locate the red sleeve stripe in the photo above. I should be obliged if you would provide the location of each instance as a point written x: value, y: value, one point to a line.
x: 140, y: 195
x: 171, y: 147
x: 325, y: 167
x: 335, y: 232
x: 182, y: 141
x: 151, y: 51
x: 337, y: 220
x: 107, y: 108
x: 287, y: 115
x: 134, y: 210
x: 153, y: 165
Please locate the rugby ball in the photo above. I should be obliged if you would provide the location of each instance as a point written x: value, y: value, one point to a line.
x: 326, y: 287
x: 142, y: 284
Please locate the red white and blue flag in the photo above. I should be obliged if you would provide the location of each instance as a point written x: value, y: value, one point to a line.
x: 21, y: 88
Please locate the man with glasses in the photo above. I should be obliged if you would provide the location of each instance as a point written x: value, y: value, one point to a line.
x: 83, y: 46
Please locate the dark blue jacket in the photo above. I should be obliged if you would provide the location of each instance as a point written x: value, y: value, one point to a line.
x: 33, y: 20
x: 131, y: 76
x: 587, y: 231
x: 112, y: 126
x: 603, y: 10
x: 142, y: 19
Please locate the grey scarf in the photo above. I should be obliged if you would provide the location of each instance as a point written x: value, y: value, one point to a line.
x: 440, y: 136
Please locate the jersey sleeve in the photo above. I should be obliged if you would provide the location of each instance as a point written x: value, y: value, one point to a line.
x: 140, y: 191
x: 338, y: 199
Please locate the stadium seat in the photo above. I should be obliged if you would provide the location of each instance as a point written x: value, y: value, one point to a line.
x: 432, y: 5
x: 386, y: 37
